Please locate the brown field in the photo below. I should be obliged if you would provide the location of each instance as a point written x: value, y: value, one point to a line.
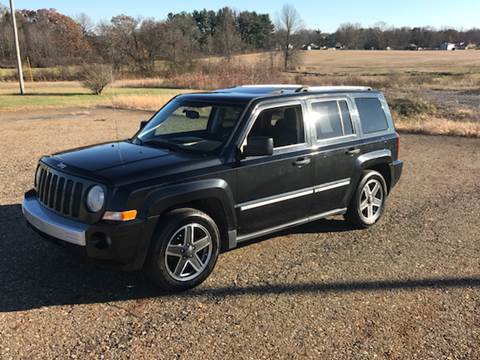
x: 386, y: 62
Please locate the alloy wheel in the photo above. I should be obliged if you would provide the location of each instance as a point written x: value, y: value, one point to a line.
x: 371, y: 201
x: 188, y: 252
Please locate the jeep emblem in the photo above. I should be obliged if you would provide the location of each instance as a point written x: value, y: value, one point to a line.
x: 61, y: 165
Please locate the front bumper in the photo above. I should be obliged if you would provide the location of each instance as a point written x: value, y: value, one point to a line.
x: 53, y: 225
x: 125, y: 244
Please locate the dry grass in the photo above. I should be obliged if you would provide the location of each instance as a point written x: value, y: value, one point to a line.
x: 155, y: 82
x: 438, y: 126
x: 387, y: 62
x: 141, y: 102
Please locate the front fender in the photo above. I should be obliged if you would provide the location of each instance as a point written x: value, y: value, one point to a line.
x: 170, y: 196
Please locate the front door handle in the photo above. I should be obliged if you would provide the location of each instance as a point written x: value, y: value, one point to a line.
x: 352, y: 151
x: 302, y: 161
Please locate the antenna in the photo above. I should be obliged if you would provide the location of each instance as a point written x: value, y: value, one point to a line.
x: 114, y: 108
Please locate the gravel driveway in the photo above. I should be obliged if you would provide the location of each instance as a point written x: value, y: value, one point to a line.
x: 407, y: 288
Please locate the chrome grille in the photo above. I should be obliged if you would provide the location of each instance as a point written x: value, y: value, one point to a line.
x: 60, y: 193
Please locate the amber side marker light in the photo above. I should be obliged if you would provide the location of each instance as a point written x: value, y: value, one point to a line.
x: 120, y: 215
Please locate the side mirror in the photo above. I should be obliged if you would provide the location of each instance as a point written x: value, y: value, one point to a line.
x: 258, y: 146
x: 143, y: 123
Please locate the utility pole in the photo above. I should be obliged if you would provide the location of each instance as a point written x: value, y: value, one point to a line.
x: 17, y: 49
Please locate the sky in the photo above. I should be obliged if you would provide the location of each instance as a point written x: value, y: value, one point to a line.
x: 316, y: 14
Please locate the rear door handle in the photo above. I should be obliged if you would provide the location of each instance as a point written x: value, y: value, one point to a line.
x: 352, y: 151
x: 302, y: 161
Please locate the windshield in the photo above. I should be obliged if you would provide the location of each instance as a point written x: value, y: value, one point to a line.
x: 191, y: 125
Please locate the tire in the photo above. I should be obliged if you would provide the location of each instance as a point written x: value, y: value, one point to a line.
x: 175, y: 261
x: 367, y: 206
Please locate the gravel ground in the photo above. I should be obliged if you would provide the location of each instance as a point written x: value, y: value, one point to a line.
x: 409, y: 288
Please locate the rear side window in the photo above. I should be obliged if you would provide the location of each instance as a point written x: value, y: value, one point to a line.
x: 372, y: 116
x: 332, y: 119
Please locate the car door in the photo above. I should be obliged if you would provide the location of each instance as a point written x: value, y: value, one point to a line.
x: 335, y: 131
x: 276, y: 190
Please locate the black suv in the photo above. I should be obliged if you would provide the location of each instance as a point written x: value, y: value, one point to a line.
x: 212, y: 170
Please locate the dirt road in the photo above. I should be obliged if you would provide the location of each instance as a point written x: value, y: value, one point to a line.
x: 407, y: 288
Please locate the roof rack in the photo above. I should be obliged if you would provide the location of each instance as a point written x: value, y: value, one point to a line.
x: 280, y: 86
x: 332, y: 88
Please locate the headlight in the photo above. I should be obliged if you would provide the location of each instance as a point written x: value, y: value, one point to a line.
x: 37, y: 176
x: 95, y: 198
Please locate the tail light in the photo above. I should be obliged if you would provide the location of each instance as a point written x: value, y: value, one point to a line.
x: 398, y: 145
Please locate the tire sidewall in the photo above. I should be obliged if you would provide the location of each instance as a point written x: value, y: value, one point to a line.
x: 157, y: 270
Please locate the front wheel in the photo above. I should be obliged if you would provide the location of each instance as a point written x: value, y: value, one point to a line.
x: 184, y: 251
x: 368, y: 202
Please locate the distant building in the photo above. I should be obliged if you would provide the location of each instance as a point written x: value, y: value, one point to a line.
x: 446, y: 46
x: 311, y: 46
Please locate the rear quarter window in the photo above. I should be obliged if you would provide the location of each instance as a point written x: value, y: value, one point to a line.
x: 372, y: 116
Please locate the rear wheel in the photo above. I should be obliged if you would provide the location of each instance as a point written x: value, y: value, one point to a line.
x: 368, y: 202
x: 184, y: 251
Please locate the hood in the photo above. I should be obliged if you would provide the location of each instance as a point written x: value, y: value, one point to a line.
x: 120, y: 162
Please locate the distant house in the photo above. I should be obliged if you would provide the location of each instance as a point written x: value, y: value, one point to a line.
x: 311, y: 46
x: 446, y: 46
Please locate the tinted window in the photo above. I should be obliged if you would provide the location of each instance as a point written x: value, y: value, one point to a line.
x: 371, y: 114
x: 328, y: 122
x: 191, y: 125
x: 347, y: 120
x: 284, y: 125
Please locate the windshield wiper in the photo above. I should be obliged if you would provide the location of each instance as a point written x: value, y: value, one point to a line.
x: 162, y: 143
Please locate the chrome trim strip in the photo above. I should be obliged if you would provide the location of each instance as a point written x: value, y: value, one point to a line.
x: 292, y: 195
x: 331, y: 185
x: 274, y: 199
x: 256, y: 234
x: 52, y: 224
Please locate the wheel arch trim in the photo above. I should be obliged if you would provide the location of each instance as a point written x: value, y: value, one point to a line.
x: 170, y: 196
x: 376, y: 157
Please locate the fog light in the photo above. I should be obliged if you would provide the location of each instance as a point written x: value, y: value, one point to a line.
x: 120, y: 215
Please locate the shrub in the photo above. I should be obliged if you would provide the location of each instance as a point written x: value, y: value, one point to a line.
x: 411, y: 107
x: 96, y: 77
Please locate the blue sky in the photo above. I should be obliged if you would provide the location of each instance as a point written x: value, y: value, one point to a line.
x: 317, y: 14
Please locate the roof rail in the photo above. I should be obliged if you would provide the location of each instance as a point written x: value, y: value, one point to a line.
x: 280, y: 86
x: 333, y: 88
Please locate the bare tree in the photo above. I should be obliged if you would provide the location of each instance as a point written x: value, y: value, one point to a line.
x: 288, y: 24
x: 85, y: 22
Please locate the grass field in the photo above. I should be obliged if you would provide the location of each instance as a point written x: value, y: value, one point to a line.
x: 386, y: 62
x: 432, y: 92
x: 46, y: 95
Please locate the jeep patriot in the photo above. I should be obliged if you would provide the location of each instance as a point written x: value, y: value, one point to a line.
x: 212, y: 170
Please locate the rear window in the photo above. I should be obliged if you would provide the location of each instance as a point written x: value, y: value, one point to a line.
x: 372, y: 116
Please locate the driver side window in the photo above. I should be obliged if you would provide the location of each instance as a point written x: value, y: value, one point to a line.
x: 283, y: 124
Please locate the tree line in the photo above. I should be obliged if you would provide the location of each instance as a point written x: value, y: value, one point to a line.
x: 49, y: 38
